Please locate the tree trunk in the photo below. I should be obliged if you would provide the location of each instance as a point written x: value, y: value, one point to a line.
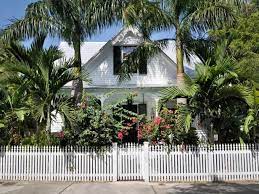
x: 179, y: 59
x: 48, y: 123
x: 180, y: 65
x: 77, y: 85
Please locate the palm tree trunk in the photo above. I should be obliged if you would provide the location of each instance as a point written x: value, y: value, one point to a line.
x: 77, y: 86
x: 179, y: 59
x: 180, y: 66
x: 48, y: 124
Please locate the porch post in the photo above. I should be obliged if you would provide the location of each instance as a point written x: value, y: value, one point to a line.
x: 102, y: 99
x: 156, y: 106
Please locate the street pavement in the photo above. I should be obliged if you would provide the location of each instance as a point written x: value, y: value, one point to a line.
x: 126, y: 188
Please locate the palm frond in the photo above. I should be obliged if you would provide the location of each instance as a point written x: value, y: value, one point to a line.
x: 138, y: 58
x: 211, y: 14
x: 184, y: 119
x: 236, y: 91
x: 187, y: 90
x: 248, y: 120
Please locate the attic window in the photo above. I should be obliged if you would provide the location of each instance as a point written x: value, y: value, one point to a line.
x: 120, y: 54
x: 126, y: 51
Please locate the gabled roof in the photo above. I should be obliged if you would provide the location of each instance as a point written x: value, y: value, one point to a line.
x: 90, y: 50
x: 115, y: 39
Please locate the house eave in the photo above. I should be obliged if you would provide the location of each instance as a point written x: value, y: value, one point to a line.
x: 123, y: 86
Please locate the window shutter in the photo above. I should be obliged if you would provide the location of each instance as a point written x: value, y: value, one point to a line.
x: 142, y: 109
x: 116, y: 59
x: 143, y: 66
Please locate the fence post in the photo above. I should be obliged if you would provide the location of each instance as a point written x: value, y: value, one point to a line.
x: 146, y: 162
x: 211, y: 173
x: 115, y: 161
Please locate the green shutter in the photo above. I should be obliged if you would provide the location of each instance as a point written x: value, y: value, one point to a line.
x: 143, y: 66
x: 116, y: 60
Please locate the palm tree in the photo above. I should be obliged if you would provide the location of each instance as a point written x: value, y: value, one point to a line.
x: 71, y: 20
x: 38, y: 75
x: 76, y: 20
x: 215, y: 91
x: 189, y: 18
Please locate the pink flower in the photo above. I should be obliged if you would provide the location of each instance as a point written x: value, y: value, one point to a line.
x: 61, y: 134
x: 167, y: 126
x: 120, y: 135
x: 157, y: 120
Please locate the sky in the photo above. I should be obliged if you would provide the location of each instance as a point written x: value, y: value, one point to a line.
x: 11, y: 9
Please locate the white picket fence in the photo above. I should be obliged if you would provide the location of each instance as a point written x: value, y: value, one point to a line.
x: 131, y: 162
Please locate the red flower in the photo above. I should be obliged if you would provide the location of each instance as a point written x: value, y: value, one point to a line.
x: 157, y: 120
x: 120, y: 135
x: 61, y: 134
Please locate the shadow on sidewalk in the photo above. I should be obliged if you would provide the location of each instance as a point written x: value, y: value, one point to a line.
x: 214, y: 188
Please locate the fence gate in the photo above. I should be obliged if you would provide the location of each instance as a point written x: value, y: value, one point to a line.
x: 130, y: 162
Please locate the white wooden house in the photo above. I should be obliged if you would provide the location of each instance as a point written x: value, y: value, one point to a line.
x: 100, y: 60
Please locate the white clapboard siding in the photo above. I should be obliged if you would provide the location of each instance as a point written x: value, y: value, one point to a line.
x: 130, y: 162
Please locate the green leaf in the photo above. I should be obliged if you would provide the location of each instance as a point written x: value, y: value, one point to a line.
x: 248, y: 120
x: 241, y: 140
x: 21, y: 114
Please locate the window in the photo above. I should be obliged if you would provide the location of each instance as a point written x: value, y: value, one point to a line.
x: 126, y: 51
x: 142, y: 109
x: 120, y: 54
x: 171, y: 104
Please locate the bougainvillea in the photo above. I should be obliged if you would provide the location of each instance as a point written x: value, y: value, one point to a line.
x: 162, y: 129
x: 120, y: 135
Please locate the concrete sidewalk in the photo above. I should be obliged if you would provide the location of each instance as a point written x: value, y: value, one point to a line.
x: 127, y: 188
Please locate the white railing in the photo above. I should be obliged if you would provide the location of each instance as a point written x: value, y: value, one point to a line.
x: 131, y: 162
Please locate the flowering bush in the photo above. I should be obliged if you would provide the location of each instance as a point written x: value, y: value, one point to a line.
x: 100, y: 126
x: 125, y: 134
x: 162, y: 129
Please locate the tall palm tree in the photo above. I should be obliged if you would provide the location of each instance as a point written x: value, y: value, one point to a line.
x: 71, y: 20
x: 38, y: 75
x: 191, y: 18
x: 76, y: 20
